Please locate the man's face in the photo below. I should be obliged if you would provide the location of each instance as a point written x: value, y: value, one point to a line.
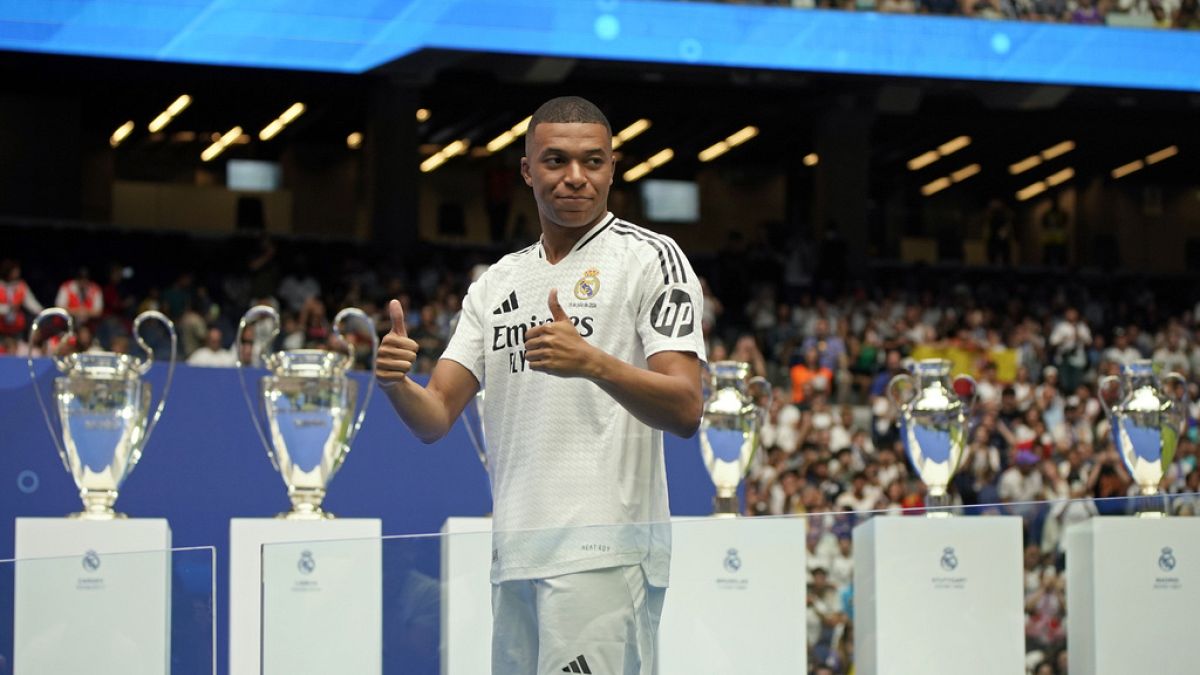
x: 570, y: 167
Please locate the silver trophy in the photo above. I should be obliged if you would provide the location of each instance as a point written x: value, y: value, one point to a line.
x: 475, y: 430
x: 1148, y: 414
x: 103, y: 407
x: 934, y: 411
x: 309, y: 405
x: 730, y: 428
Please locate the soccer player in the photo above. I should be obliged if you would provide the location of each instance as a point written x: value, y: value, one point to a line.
x: 589, y: 344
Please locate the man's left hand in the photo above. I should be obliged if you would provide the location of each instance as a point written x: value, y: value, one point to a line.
x: 557, y: 348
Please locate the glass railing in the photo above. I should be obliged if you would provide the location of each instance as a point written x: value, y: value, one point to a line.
x: 109, y: 613
x: 985, y: 589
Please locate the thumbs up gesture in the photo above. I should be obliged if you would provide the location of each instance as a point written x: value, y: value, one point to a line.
x: 557, y: 348
x: 397, y: 351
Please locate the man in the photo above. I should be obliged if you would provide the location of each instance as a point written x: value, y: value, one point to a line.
x: 589, y: 343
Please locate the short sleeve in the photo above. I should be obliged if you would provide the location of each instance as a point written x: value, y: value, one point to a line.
x: 670, y: 304
x: 466, y: 345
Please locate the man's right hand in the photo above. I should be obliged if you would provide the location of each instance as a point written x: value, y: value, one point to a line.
x: 397, y: 351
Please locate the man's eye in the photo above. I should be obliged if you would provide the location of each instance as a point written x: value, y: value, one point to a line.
x: 554, y: 161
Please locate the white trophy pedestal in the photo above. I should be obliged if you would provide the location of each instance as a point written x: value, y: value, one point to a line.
x: 933, y: 594
x: 466, y: 646
x: 1129, y: 602
x: 713, y: 616
x: 737, y: 597
x: 323, y: 602
x: 104, y: 608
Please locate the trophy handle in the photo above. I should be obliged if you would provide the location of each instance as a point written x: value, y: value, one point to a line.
x: 764, y: 393
x: 477, y: 441
x: 901, y: 390
x: 144, y: 366
x: 1110, y: 392
x: 1174, y: 386
x: 59, y: 362
x: 355, y: 313
x: 251, y: 316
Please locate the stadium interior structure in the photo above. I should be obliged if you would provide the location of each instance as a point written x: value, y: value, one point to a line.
x: 876, y: 192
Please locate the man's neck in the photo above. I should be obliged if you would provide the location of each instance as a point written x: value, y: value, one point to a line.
x: 558, y: 241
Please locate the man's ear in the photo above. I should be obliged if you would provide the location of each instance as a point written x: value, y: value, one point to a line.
x: 525, y: 171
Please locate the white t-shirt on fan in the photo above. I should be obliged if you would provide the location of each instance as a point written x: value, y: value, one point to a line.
x: 564, y: 455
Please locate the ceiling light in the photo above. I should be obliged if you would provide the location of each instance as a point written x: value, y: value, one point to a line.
x: 628, y: 133
x: 1060, y: 177
x: 423, y: 114
x: 656, y: 160
x: 439, y: 158
x: 954, y: 145
x: 1057, y: 150
x: 1025, y: 164
x: 285, y: 118
x: 1030, y: 191
x: 949, y: 147
x: 503, y: 140
x: 965, y: 173
x: 713, y: 151
x: 811, y: 159
x: 120, y: 134
x: 923, y: 160
x: 164, y: 118
x: 220, y: 144
x: 731, y: 141
x: 1126, y: 169
x: 354, y: 140
x: 1165, y: 153
x: 936, y: 186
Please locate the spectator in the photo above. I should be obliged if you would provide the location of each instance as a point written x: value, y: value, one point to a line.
x: 81, y: 297
x: 15, y: 300
x: 212, y: 353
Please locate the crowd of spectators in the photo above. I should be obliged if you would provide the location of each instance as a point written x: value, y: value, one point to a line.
x: 1179, y: 14
x: 1039, y: 440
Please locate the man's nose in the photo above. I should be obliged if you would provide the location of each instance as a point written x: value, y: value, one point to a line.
x: 574, y: 175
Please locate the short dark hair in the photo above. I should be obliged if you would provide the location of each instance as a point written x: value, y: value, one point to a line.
x: 567, y: 110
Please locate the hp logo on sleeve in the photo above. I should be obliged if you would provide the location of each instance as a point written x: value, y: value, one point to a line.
x: 673, y: 314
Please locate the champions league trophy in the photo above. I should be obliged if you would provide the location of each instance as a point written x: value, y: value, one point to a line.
x: 1148, y: 414
x: 475, y: 429
x: 309, y: 404
x: 103, y: 406
x: 933, y: 423
x: 729, y: 429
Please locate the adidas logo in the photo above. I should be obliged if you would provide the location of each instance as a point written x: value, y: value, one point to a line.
x: 508, y: 305
x: 579, y: 665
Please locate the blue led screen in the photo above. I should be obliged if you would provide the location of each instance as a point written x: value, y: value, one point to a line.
x: 357, y: 35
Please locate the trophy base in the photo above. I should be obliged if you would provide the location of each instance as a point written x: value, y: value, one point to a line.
x: 98, y: 515
x: 725, y: 507
x: 306, y: 512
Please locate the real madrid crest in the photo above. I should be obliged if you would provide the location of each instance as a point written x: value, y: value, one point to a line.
x: 589, y: 285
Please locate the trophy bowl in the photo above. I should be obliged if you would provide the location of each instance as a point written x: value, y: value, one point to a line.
x: 1148, y: 414
x: 730, y: 429
x: 309, y: 403
x: 103, y: 407
x: 934, y: 412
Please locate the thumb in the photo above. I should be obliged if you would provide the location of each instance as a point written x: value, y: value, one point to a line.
x: 556, y: 309
x: 396, y: 312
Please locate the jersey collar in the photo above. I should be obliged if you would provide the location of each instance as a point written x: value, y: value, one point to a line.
x: 604, y: 224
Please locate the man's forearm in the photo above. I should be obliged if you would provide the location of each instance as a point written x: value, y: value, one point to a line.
x: 665, y: 402
x: 424, y: 411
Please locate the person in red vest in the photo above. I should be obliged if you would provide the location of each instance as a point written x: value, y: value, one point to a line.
x: 15, y: 300
x: 81, y: 297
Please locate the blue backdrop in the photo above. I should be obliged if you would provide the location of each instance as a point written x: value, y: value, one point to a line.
x: 354, y: 36
x: 204, y: 464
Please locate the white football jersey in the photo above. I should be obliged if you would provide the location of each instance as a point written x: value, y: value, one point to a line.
x: 563, y: 454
